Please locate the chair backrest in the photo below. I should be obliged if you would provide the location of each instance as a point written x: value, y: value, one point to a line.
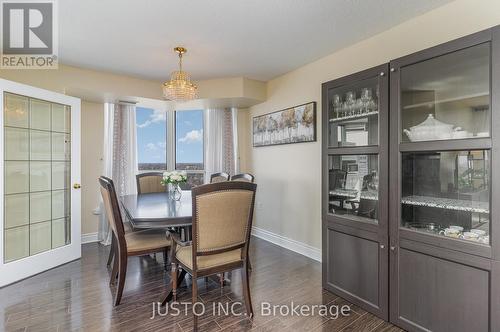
x: 112, y: 209
x: 337, y: 178
x: 219, y: 177
x: 243, y: 177
x: 150, y: 182
x: 222, y: 217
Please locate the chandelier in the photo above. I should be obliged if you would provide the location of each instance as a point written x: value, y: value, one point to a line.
x: 179, y: 88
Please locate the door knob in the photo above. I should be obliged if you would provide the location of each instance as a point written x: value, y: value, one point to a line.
x: 77, y: 186
x: 382, y: 246
x: 393, y: 248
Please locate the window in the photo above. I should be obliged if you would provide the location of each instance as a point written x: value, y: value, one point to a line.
x: 189, y: 145
x: 151, y: 139
x: 171, y: 140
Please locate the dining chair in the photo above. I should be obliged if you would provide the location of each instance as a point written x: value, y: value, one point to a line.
x: 219, y: 177
x: 149, y: 182
x: 243, y: 177
x: 222, y: 221
x: 127, y: 244
x: 337, y: 179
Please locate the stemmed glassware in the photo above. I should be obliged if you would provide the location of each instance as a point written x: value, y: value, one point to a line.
x: 349, y: 103
x: 337, y: 106
x: 352, y: 106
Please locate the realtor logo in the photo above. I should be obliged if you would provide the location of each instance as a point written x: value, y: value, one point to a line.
x: 29, y: 34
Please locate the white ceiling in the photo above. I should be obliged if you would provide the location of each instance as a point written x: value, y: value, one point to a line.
x: 258, y: 39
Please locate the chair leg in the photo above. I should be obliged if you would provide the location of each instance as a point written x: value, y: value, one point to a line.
x: 111, y: 250
x: 195, y: 300
x: 173, y: 277
x: 114, y: 272
x: 165, y: 261
x: 221, y: 280
x: 246, y: 290
x: 122, y: 263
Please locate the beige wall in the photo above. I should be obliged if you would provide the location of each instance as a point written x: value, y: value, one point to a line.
x: 92, y: 124
x: 289, y: 176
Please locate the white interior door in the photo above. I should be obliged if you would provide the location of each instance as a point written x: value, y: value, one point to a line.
x: 39, y: 182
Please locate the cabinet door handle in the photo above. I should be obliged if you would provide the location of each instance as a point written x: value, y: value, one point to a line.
x: 393, y: 248
x: 382, y: 246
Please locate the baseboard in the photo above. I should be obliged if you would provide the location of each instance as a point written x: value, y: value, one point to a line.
x: 89, y: 238
x: 287, y: 243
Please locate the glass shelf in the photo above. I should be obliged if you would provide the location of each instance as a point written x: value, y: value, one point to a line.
x: 353, y: 117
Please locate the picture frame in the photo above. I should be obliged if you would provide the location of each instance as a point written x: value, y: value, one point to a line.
x: 291, y: 125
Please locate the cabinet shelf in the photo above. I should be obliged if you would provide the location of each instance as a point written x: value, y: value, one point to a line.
x: 353, y: 117
x: 465, y: 98
x: 447, y: 203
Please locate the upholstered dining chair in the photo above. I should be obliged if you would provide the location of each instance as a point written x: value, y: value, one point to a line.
x: 243, y: 177
x: 219, y: 177
x: 149, y: 182
x: 222, y: 221
x: 127, y: 244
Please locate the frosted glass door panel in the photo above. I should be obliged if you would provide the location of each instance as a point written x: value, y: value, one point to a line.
x: 40, y: 115
x: 40, y: 145
x: 17, y: 177
x: 17, y: 243
x: 37, y: 176
x: 16, y: 111
x: 16, y: 210
x: 16, y: 144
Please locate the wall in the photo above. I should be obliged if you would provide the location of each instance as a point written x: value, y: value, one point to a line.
x: 289, y: 176
x: 91, y: 154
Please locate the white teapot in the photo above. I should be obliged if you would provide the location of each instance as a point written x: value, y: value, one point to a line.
x: 430, y: 129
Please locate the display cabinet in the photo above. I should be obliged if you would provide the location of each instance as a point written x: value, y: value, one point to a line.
x: 444, y: 185
x: 355, y: 165
x: 429, y: 194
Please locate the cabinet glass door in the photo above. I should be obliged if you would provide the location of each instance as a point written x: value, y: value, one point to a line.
x: 447, y: 193
x: 353, y: 186
x: 353, y: 113
x: 37, y: 174
x: 447, y: 97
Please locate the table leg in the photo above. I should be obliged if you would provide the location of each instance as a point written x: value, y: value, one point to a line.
x: 168, y: 297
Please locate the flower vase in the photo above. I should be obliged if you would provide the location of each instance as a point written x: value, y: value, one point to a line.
x: 175, y: 192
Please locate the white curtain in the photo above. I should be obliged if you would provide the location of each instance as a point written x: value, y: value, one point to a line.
x: 120, y: 155
x: 220, y: 142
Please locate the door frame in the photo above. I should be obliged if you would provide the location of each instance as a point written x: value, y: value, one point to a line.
x: 368, y: 231
x: 26, y: 267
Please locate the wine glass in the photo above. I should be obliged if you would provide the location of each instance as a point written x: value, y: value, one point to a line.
x: 337, y: 105
x: 349, y: 102
x: 366, y: 96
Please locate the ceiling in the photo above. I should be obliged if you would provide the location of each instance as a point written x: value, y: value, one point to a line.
x: 258, y: 39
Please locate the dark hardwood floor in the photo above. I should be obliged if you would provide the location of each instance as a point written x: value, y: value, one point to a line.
x: 77, y: 297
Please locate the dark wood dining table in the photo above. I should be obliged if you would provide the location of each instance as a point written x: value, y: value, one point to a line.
x: 160, y: 211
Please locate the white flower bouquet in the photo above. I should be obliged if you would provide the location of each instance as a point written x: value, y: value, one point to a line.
x: 174, y: 177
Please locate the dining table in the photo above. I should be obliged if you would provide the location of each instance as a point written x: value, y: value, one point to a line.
x: 160, y: 211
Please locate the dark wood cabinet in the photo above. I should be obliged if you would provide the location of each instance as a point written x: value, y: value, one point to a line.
x: 429, y: 258
x: 355, y: 188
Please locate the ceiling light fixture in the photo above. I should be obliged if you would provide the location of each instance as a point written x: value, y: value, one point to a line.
x: 180, y: 88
